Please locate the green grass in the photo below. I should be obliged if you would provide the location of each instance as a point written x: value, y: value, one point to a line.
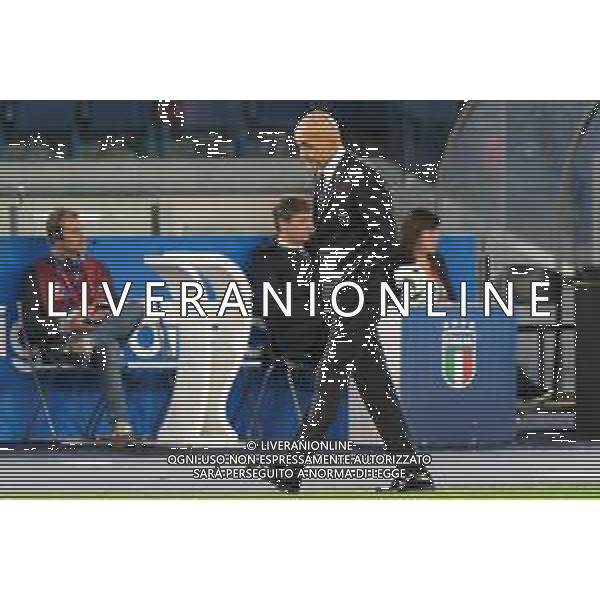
x: 508, y: 492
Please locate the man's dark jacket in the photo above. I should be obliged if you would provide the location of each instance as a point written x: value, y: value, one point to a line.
x: 296, y: 338
x: 355, y: 211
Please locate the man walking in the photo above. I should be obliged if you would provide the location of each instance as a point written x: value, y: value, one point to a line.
x: 353, y: 241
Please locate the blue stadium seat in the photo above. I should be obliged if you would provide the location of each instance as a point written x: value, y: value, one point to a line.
x: 120, y: 115
x: 45, y: 116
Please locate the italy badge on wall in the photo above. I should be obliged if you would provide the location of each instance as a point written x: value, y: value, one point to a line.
x: 459, y: 345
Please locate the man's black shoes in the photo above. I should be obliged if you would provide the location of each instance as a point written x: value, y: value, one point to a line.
x: 415, y: 481
x: 286, y: 485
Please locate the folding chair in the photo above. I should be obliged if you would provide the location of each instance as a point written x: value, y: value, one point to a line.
x: 42, y: 403
x: 41, y: 406
x: 88, y: 431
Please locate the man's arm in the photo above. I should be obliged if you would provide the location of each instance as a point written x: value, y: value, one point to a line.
x: 268, y: 266
x: 97, y: 303
x: 40, y: 329
x: 377, y: 246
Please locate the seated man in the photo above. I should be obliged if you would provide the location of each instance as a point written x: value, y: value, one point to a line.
x: 298, y: 340
x: 73, y: 339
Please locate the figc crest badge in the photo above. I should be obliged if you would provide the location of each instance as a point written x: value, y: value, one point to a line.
x: 459, y: 350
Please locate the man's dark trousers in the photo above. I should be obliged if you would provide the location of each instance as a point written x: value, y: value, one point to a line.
x: 109, y: 337
x: 353, y: 349
x: 354, y: 211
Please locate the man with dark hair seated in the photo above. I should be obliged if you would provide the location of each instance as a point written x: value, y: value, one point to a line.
x: 95, y: 339
x: 300, y: 339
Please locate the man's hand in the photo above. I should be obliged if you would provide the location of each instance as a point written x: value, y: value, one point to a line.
x: 79, y: 325
x: 99, y: 312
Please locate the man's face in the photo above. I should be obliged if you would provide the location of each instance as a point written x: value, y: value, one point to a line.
x: 313, y: 152
x: 297, y: 230
x: 72, y: 242
x: 317, y: 138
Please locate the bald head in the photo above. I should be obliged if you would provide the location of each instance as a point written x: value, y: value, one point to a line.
x: 318, y: 137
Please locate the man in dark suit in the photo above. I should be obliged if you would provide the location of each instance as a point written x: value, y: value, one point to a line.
x: 353, y: 241
x: 284, y: 259
x: 291, y: 345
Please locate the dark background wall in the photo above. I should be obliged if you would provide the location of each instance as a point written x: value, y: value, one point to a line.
x: 411, y: 133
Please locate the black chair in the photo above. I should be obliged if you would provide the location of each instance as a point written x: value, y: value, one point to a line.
x: 38, y: 366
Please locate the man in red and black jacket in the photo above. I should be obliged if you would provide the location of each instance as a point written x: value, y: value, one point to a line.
x: 76, y: 339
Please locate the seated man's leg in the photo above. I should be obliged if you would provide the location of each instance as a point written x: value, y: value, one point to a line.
x: 109, y: 337
x: 120, y: 328
x: 113, y: 388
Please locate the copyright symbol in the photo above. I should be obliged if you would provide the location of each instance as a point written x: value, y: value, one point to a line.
x: 251, y: 445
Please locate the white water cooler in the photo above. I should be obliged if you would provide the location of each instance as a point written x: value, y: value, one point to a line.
x: 210, y: 349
